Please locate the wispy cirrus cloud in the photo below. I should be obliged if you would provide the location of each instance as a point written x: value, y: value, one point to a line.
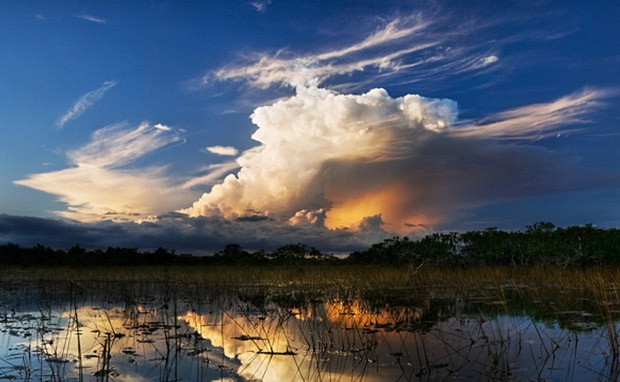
x: 93, y: 19
x: 422, y: 47
x: 85, y: 102
x: 417, y: 45
x: 488, y: 60
x: 539, y: 120
x: 117, y: 145
x: 215, y: 172
x: 101, y: 185
x: 261, y: 5
x: 263, y: 70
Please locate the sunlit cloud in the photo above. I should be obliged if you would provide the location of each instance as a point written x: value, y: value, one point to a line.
x: 333, y: 160
x: 264, y: 70
x: 329, y: 163
x: 328, y: 158
x: 118, y: 144
x: 215, y: 173
x: 85, y: 102
x: 488, y: 60
x: 223, y: 150
x: 410, y: 48
x: 92, y: 19
x: 538, y: 120
x: 162, y: 127
x: 100, y: 185
x: 299, y: 135
x: 308, y: 217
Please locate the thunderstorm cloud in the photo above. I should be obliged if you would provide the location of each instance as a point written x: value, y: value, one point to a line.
x: 336, y: 159
x: 331, y: 163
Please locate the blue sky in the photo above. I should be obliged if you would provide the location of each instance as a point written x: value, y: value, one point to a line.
x: 192, y: 125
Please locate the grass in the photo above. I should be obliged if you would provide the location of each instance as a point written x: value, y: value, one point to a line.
x: 593, y: 278
x: 360, y: 306
x: 545, y: 292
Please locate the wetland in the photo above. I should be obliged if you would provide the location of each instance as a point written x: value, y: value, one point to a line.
x: 309, y: 323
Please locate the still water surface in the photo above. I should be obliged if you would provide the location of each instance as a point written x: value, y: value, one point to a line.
x: 165, y: 333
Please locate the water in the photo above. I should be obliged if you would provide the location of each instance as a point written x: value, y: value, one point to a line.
x: 145, y: 332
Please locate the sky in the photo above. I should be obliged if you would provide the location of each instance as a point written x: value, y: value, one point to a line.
x: 192, y: 125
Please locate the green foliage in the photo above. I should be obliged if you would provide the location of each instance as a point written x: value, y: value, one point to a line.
x: 234, y: 254
x: 296, y: 254
x: 540, y: 244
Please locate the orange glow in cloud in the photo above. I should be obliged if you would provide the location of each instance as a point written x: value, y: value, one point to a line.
x: 389, y: 201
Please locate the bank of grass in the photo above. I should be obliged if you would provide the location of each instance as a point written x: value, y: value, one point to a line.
x: 542, y: 294
x: 548, y: 288
x: 546, y: 293
x: 599, y: 280
x: 225, y: 276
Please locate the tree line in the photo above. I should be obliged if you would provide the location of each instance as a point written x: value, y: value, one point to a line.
x: 291, y: 254
x: 539, y: 244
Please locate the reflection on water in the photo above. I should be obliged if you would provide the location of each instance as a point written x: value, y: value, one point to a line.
x: 254, y: 335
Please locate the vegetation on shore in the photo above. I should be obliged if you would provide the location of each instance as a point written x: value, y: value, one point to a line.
x: 539, y: 244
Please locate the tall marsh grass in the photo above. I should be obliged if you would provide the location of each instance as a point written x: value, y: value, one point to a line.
x: 334, y: 312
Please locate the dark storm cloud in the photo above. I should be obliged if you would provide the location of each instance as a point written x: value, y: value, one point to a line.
x: 175, y: 231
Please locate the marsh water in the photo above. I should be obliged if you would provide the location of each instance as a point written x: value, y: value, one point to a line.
x: 153, y: 331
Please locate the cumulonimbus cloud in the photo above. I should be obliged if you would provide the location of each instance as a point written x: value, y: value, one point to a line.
x: 85, y: 102
x: 337, y: 159
x: 330, y: 163
x: 299, y: 135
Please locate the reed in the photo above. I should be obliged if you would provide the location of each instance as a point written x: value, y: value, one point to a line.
x: 433, y: 323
